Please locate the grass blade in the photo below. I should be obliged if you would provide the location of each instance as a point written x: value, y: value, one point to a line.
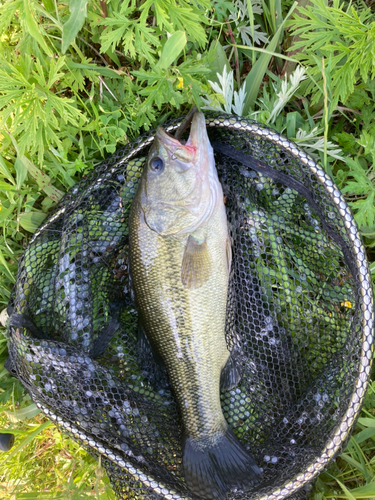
x: 251, y: 19
x: 367, y: 491
x: 367, y: 422
x: 255, y: 78
x: 99, y: 69
x: 278, y: 13
x: 361, y: 467
x: 348, y: 494
x: 244, y: 48
x: 27, y: 440
x: 362, y: 436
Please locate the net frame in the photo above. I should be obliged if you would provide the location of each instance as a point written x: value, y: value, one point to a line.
x: 345, y: 425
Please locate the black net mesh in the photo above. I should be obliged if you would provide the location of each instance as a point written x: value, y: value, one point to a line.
x: 299, y: 298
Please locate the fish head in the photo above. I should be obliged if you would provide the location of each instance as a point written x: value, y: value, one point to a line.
x: 178, y: 181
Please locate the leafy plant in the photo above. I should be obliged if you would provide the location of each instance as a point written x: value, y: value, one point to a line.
x: 346, y: 38
x: 242, y: 13
x: 30, y: 109
x: 360, y: 187
x: 126, y: 25
x: 226, y: 94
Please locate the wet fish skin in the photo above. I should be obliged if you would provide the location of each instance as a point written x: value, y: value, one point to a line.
x: 180, y: 255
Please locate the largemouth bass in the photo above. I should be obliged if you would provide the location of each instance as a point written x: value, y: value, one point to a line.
x: 180, y: 258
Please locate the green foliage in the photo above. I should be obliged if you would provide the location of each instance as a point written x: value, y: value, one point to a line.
x: 351, y: 476
x: 345, y: 37
x: 31, y: 109
x: 79, y: 79
x: 74, y: 23
x: 360, y: 184
x: 126, y: 25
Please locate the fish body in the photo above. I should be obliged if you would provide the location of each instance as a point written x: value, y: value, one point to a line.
x: 180, y: 259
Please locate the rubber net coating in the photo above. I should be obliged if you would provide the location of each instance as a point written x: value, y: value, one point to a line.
x: 299, y: 298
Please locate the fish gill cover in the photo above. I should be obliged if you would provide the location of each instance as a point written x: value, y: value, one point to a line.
x: 299, y: 320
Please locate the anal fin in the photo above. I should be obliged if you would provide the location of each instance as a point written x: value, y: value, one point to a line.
x: 233, y: 370
x: 196, y: 263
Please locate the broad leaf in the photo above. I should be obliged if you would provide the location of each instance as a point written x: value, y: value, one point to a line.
x: 219, y: 60
x: 172, y: 49
x: 78, y: 9
x: 31, y: 221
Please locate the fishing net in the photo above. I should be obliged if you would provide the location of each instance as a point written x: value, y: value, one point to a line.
x: 299, y: 299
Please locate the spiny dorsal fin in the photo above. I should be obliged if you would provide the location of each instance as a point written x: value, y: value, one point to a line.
x: 196, y: 263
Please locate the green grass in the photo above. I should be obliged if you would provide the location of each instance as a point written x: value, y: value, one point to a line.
x: 77, y: 82
x: 46, y: 464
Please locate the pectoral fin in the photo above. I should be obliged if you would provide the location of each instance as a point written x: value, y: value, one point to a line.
x: 196, y: 263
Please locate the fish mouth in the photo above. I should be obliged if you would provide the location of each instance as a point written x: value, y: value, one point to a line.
x: 198, y: 131
x: 197, y: 139
x: 167, y: 140
x: 176, y: 151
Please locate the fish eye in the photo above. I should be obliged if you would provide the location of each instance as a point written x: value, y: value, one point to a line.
x: 157, y: 164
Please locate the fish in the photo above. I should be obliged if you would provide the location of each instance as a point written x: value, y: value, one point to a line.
x: 180, y: 261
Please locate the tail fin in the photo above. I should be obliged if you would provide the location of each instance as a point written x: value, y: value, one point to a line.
x: 212, y: 471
